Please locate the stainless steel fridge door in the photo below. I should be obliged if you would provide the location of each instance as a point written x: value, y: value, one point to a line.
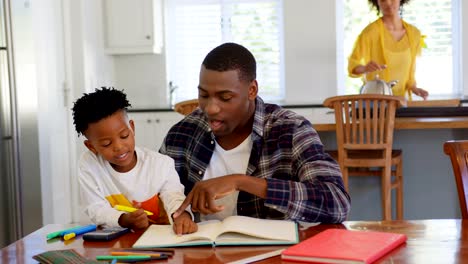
x: 10, y: 193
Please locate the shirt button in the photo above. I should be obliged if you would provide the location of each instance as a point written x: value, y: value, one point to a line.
x: 212, y: 142
x: 302, y: 218
x: 200, y: 172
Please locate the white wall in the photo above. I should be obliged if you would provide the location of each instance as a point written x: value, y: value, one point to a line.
x: 310, y: 50
x: 464, y: 39
x: 143, y: 77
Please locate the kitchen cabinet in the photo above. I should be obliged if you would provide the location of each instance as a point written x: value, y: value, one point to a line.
x: 133, y: 27
x: 151, y: 127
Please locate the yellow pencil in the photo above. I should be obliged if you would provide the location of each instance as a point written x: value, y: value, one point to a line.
x: 129, y: 209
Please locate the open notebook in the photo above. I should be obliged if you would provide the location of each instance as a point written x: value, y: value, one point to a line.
x: 234, y: 230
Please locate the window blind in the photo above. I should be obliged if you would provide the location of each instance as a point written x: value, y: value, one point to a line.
x: 194, y: 27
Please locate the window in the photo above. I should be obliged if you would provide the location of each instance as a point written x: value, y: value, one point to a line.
x: 194, y: 27
x: 437, y: 69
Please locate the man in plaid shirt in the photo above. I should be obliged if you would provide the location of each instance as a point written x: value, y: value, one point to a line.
x: 237, y: 155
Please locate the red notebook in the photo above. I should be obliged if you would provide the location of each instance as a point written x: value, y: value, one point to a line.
x: 344, y: 246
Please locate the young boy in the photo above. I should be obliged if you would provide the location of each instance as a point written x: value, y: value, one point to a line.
x: 115, y: 172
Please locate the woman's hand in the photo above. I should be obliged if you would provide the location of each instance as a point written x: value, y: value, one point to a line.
x: 372, y: 66
x: 420, y: 92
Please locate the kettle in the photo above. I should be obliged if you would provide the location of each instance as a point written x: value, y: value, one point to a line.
x: 378, y: 86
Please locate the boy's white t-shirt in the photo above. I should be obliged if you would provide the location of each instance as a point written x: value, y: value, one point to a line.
x: 226, y: 162
x: 101, y: 187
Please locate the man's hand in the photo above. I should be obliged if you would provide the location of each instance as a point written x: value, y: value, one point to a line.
x: 204, y: 193
x: 183, y: 224
x: 137, y: 219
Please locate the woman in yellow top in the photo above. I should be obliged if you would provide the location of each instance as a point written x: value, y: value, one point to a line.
x: 388, y: 48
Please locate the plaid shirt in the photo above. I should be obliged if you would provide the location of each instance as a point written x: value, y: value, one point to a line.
x: 304, y: 183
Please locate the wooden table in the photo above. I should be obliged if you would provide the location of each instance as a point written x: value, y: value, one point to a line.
x: 429, y: 241
x: 328, y: 123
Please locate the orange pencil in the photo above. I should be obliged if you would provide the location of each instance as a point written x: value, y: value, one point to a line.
x: 126, y: 253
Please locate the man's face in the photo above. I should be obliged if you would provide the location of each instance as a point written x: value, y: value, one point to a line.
x: 114, y: 139
x: 227, y: 102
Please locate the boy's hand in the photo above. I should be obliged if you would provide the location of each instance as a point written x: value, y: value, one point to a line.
x: 183, y: 224
x: 137, y: 219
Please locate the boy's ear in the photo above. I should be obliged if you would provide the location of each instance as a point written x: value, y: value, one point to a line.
x: 90, y: 146
x: 132, y: 125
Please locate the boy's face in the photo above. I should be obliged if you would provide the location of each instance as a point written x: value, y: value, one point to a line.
x: 114, y: 139
x: 227, y: 102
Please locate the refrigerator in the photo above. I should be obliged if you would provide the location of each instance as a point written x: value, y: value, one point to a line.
x: 20, y: 179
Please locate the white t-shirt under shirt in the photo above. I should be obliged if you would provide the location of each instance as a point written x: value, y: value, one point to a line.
x: 225, y: 162
x: 101, y: 187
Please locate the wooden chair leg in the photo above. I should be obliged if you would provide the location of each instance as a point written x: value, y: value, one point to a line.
x: 386, y: 193
x: 399, y: 190
x: 345, y: 174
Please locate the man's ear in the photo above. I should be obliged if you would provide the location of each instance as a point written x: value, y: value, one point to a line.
x: 90, y: 146
x: 253, y: 90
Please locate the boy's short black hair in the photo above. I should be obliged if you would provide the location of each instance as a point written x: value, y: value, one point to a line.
x: 232, y: 56
x: 95, y: 106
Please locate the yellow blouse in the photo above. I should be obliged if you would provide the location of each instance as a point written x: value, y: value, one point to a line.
x: 376, y: 43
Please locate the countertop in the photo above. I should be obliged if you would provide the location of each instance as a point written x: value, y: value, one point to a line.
x: 463, y: 101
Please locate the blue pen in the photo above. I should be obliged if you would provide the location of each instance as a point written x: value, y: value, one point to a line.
x: 79, y: 231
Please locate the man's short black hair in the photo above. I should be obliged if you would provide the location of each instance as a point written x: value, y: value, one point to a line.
x: 232, y: 56
x: 95, y: 106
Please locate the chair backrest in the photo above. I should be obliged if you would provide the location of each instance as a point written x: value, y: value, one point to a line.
x: 364, y: 121
x: 186, y: 107
x: 458, y: 152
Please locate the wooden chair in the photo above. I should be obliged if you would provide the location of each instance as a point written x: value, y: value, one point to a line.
x: 364, y: 132
x: 458, y: 152
x: 186, y: 107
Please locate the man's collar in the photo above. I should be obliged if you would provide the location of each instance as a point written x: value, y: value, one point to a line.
x: 259, y: 116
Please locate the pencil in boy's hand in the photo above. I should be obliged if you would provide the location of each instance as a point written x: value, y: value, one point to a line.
x: 129, y: 209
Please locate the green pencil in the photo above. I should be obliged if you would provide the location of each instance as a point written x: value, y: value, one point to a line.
x: 60, y: 233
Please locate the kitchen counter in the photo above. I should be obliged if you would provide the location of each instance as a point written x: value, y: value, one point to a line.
x: 407, y: 123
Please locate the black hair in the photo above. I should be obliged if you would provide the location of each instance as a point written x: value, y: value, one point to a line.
x: 98, y: 105
x: 232, y: 56
x: 375, y: 4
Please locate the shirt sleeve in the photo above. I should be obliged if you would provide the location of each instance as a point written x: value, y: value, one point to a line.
x: 172, y: 192
x: 319, y: 195
x: 95, y: 206
x: 357, y: 56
